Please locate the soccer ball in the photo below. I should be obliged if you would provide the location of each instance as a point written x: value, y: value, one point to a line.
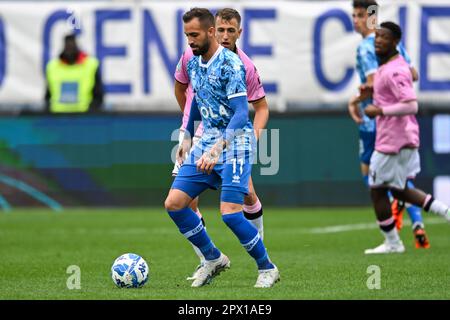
x: 129, y: 271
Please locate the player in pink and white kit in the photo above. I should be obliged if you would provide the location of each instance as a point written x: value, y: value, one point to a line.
x: 396, y: 157
x: 228, y: 32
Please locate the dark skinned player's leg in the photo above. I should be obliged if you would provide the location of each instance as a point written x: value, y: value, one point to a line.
x: 381, y: 203
x: 414, y: 196
x: 421, y: 199
x: 386, y: 222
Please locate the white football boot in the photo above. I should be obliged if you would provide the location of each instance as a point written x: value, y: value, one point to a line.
x: 387, y: 248
x: 267, y: 278
x: 194, y: 275
x: 210, y: 269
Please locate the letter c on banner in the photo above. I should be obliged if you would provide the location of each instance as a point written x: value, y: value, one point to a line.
x: 345, y: 19
x: 2, y: 52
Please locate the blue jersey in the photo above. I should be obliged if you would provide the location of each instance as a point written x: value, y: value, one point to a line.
x: 366, y: 64
x: 214, y: 83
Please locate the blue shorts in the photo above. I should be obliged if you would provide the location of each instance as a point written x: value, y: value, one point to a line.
x: 366, y: 145
x: 233, y: 177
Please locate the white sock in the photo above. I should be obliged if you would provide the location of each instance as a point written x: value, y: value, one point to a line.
x: 418, y: 224
x: 197, y: 250
x: 199, y: 254
x: 439, y: 208
x: 258, y: 223
x: 392, y: 236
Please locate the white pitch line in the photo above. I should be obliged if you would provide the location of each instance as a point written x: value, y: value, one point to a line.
x: 363, y: 226
x: 344, y: 228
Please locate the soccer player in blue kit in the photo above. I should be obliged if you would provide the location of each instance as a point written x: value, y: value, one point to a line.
x: 223, y: 156
x: 364, y: 20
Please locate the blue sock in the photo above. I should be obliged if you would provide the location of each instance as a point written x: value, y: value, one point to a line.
x: 414, y: 212
x: 366, y: 180
x: 391, y: 197
x: 192, y: 228
x: 249, y: 237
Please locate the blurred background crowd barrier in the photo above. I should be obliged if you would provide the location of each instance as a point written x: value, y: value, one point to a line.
x: 107, y: 160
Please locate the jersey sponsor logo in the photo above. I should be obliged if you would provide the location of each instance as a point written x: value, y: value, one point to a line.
x: 208, y: 112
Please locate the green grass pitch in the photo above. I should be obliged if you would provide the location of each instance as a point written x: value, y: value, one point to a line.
x: 319, y: 253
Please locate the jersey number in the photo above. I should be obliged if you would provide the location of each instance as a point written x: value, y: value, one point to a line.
x: 241, y: 165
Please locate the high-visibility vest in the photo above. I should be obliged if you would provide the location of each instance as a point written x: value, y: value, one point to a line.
x: 71, y: 85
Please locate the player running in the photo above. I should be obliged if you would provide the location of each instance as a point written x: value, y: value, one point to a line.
x: 228, y: 31
x: 364, y: 20
x: 223, y: 155
x: 396, y: 157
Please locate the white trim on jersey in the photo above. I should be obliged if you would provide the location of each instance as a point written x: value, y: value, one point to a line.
x: 371, y: 71
x: 210, y: 60
x: 239, y: 94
